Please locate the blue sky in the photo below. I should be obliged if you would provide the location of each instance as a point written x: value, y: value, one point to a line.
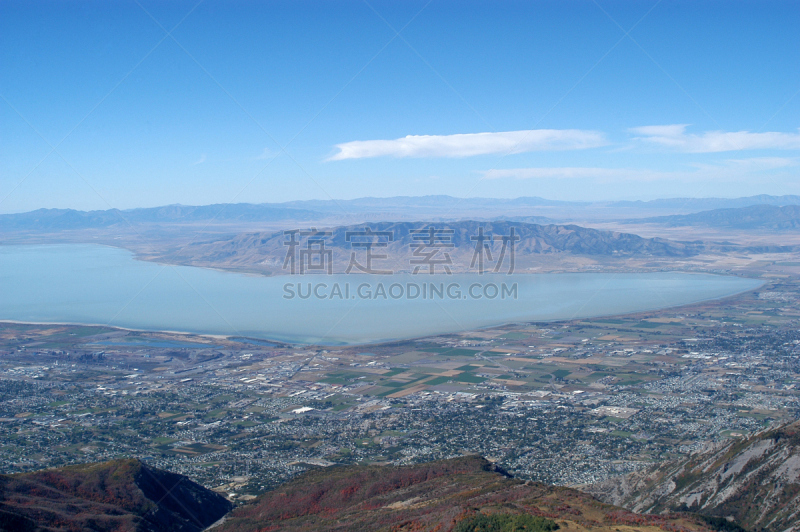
x: 277, y: 101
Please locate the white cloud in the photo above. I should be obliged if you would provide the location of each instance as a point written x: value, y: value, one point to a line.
x: 201, y: 160
x: 675, y: 136
x: 730, y: 169
x: 469, y: 144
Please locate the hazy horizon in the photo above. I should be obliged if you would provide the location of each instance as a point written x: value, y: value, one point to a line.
x: 365, y: 198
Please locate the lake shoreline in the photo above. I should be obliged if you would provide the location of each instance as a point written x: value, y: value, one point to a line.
x: 102, y: 286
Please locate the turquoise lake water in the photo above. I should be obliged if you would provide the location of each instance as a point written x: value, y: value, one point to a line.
x: 92, y: 284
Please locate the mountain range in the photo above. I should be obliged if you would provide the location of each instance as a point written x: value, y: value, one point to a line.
x: 70, y: 219
x: 742, y: 484
x: 377, y: 209
x: 466, y: 494
x: 399, y: 243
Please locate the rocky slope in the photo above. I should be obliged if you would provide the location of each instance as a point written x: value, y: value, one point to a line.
x: 754, y: 481
x: 462, y: 494
x: 122, y: 495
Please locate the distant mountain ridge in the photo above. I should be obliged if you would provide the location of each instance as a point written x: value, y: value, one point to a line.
x: 755, y: 481
x: 437, y: 201
x: 703, y: 204
x: 65, y: 219
x: 767, y: 217
x: 399, y: 207
x: 443, y: 201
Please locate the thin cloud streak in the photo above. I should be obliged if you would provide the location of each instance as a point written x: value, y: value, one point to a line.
x: 555, y: 173
x: 471, y: 144
x: 675, y: 136
x: 264, y: 155
x: 729, y: 169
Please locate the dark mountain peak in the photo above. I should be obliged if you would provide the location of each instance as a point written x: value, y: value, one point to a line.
x: 115, y: 495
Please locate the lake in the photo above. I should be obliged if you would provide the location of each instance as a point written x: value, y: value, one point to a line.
x: 92, y: 284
